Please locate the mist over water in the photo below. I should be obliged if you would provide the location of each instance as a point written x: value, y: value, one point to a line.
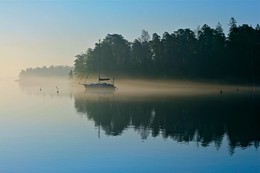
x: 144, y: 87
x: 146, y: 123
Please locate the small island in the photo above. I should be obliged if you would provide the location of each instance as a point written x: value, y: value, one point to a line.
x: 46, y: 72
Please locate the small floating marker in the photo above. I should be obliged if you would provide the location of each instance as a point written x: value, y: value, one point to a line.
x: 220, y: 91
x: 237, y: 89
x: 57, y: 90
x: 40, y: 88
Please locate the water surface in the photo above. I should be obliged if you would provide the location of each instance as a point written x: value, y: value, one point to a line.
x: 77, y: 131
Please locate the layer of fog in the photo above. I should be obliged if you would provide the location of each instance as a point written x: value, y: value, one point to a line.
x: 132, y: 88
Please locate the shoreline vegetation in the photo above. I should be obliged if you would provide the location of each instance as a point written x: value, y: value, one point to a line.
x: 46, y: 72
x: 205, y: 55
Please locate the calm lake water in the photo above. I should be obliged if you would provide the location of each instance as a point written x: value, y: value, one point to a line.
x: 76, y: 131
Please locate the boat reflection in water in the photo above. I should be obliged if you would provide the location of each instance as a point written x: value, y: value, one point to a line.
x: 201, y: 119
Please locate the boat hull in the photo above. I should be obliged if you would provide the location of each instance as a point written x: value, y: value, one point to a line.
x: 99, y: 87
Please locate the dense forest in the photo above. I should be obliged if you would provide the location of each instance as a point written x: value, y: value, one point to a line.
x: 52, y: 71
x: 204, y: 54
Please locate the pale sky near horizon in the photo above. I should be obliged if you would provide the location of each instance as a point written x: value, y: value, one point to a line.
x: 51, y: 32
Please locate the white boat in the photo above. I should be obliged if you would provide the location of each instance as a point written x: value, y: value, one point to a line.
x: 103, y: 83
x: 100, y: 85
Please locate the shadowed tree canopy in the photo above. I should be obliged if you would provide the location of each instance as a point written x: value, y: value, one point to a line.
x: 145, y: 37
x: 206, y: 54
x: 232, y: 24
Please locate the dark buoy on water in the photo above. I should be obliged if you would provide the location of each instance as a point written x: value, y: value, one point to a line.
x: 220, y: 91
x: 237, y: 90
x: 57, y: 90
x: 40, y: 88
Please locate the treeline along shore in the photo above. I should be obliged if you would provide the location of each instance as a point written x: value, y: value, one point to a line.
x: 52, y: 71
x: 204, y: 54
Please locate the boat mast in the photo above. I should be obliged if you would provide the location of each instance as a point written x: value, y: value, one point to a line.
x: 99, y: 61
x: 99, y: 117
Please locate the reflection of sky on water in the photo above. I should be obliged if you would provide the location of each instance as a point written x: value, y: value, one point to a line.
x: 49, y: 134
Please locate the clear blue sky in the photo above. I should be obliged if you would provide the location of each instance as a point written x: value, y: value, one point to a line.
x: 37, y: 32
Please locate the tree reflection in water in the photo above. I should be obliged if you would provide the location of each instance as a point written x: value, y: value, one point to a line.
x: 184, y: 119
